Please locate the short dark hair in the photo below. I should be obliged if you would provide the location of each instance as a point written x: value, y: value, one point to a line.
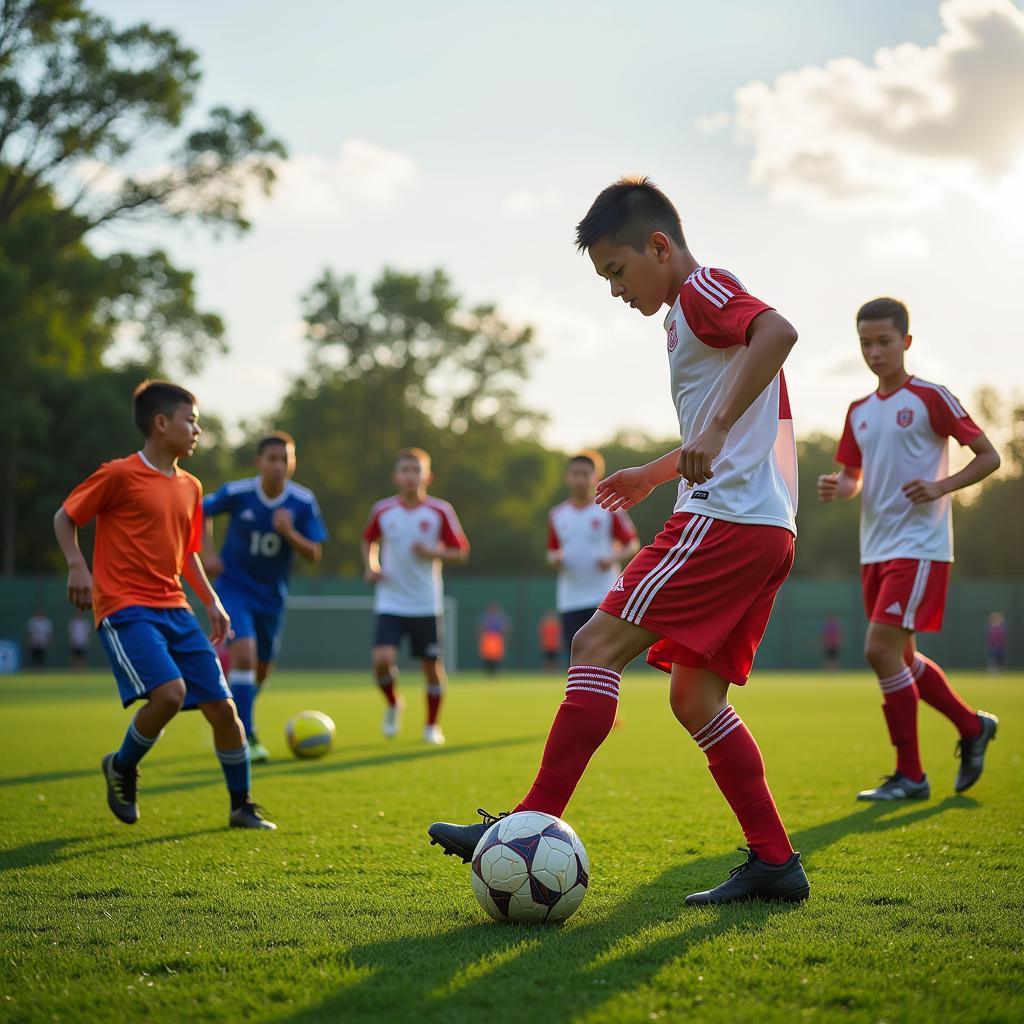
x: 591, y: 458
x: 281, y: 437
x: 627, y: 212
x: 886, y: 309
x: 154, y: 398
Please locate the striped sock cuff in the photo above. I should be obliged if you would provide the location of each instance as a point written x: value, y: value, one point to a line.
x: 238, y: 756
x: 718, y: 728
x: 897, y: 682
x: 592, y: 679
x: 243, y: 676
x: 918, y: 667
x: 143, y: 741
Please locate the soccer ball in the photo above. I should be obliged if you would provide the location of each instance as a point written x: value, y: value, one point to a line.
x: 309, y: 734
x: 530, y: 866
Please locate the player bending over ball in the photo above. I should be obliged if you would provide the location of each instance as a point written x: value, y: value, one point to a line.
x: 586, y: 543
x: 149, y: 524
x: 270, y: 519
x: 698, y: 598
x: 404, y: 544
x: 895, y: 453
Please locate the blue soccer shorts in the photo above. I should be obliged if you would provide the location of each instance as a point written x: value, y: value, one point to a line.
x: 148, y: 647
x: 249, y: 620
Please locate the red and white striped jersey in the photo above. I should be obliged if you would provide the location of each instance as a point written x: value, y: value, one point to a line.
x: 410, y: 584
x: 893, y: 439
x: 755, y: 474
x: 585, y: 534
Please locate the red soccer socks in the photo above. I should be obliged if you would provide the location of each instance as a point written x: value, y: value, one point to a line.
x: 435, y: 694
x: 934, y: 689
x: 583, y: 720
x: 736, y: 765
x: 386, y: 684
x: 900, y: 710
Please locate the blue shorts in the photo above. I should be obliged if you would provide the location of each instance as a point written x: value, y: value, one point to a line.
x: 148, y: 647
x: 248, y: 619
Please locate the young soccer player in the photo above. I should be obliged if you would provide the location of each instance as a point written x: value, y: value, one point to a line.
x: 271, y: 518
x: 407, y: 539
x: 149, y: 526
x: 586, y: 544
x: 700, y: 595
x: 895, y: 453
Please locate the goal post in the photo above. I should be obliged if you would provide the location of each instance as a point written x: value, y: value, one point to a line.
x: 334, y: 630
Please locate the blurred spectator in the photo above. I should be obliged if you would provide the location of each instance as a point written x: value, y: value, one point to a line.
x: 492, y: 629
x: 831, y: 642
x: 995, y: 642
x: 40, y: 635
x: 549, y: 632
x: 79, y: 635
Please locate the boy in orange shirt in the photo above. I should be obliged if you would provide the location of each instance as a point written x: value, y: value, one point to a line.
x: 149, y: 527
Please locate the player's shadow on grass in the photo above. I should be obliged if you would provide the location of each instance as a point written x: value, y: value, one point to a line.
x: 41, y: 778
x: 333, y: 765
x: 469, y: 971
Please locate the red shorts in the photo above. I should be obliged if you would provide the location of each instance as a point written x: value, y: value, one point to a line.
x: 706, y: 587
x: 906, y: 592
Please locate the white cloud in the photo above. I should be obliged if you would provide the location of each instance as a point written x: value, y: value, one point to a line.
x: 901, y: 133
x: 898, y: 245
x: 528, y: 204
x: 709, y: 124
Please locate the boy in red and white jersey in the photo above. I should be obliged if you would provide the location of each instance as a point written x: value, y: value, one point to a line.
x: 698, y: 598
x: 407, y: 538
x: 895, y: 453
x: 586, y: 543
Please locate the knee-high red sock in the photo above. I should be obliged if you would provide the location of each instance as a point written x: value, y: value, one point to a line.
x: 435, y: 694
x: 583, y: 720
x: 934, y: 689
x: 386, y: 684
x: 735, y: 763
x: 900, y: 710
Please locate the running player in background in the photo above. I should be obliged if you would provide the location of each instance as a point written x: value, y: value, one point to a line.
x: 271, y: 517
x: 586, y: 544
x: 149, y: 525
x: 407, y: 539
x: 699, y: 597
x: 895, y: 453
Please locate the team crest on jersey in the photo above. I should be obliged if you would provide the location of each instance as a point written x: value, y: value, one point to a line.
x: 595, y: 524
x: 424, y: 526
x: 673, y: 337
x: 904, y: 417
x: 617, y: 585
x: 247, y: 513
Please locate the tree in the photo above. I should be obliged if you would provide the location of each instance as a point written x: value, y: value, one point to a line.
x: 80, y: 101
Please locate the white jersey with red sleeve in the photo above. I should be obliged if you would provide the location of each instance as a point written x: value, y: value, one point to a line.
x: 410, y: 584
x: 586, y: 535
x: 893, y: 439
x: 755, y: 474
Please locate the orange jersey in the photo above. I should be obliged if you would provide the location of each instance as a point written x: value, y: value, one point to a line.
x: 146, y: 525
x: 550, y: 631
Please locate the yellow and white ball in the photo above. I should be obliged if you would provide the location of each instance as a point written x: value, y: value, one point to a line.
x: 309, y: 734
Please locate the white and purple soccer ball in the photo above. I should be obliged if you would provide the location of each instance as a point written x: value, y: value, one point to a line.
x: 530, y: 866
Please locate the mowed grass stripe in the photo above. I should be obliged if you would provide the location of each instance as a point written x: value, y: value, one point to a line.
x: 348, y: 914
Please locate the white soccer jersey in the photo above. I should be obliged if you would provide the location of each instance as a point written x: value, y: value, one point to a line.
x: 411, y: 585
x: 40, y: 631
x: 894, y: 439
x: 585, y: 534
x: 79, y: 633
x: 755, y: 473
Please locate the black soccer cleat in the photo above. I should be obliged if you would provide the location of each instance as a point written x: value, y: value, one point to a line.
x: 461, y: 840
x: 249, y: 815
x: 122, y: 791
x: 756, y: 880
x: 897, y: 787
x: 972, y: 752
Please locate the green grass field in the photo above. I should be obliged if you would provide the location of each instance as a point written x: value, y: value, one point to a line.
x: 347, y: 914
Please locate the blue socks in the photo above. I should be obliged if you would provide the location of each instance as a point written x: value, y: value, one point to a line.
x: 236, y: 773
x: 134, y: 748
x: 242, y: 683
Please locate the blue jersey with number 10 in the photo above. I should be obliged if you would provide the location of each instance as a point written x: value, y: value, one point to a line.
x: 257, y: 559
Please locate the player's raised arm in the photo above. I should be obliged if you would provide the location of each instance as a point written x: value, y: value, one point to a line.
x: 839, y: 486
x: 79, y: 577
x: 284, y: 523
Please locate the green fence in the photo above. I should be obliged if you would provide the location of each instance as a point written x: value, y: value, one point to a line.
x: 339, y: 637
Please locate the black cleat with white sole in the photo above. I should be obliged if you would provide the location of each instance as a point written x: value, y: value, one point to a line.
x: 972, y: 752
x: 461, y: 840
x: 898, y: 787
x: 249, y: 815
x: 122, y: 791
x: 756, y: 880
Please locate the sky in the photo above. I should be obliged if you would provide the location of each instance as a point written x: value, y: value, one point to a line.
x: 825, y: 152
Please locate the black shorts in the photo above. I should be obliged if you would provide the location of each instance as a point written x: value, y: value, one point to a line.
x: 424, y: 633
x: 573, y: 621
